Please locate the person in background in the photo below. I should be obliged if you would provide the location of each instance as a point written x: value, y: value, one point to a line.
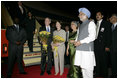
x: 84, y: 56
x: 59, y: 59
x: 53, y: 26
x: 74, y: 72
x: 113, y: 50
x: 47, y: 28
x: 20, y: 12
x: 16, y: 37
x: 30, y: 26
x: 67, y: 58
x: 102, y: 45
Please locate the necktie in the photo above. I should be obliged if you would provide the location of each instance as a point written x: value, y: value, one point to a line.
x: 66, y: 36
x: 48, y: 29
x: 113, y: 27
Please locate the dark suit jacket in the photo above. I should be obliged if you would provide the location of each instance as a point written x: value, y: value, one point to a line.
x: 104, y: 36
x: 114, y: 40
x: 13, y: 36
x: 29, y: 25
x: 19, y: 14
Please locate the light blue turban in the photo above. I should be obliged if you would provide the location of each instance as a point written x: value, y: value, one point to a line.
x: 85, y: 11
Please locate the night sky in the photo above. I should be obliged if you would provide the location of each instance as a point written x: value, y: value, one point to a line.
x: 67, y: 8
x: 71, y: 7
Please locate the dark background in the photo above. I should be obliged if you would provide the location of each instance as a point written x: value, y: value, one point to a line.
x: 65, y: 11
x: 71, y: 7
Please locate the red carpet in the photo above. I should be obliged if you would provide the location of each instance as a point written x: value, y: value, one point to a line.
x: 33, y: 72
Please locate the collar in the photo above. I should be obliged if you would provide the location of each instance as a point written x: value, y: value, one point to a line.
x: 48, y: 26
x: 85, y: 21
x: 20, y: 6
x: 16, y: 25
x: 115, y: 24
x: 68, y: 31
x: 100, y: 21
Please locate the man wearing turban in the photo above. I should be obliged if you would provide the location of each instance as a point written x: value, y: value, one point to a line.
x: 84, y: 56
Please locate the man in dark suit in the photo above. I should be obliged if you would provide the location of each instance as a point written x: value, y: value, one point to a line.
x: 102, y: 45
x: 30, y: 30
x: 49, y: 48
x: 67, y: 58
x: 20, y: 12
x: 16, y: 37
x: 113, y: 52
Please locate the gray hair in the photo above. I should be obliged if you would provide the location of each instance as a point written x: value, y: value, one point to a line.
x: 75, y: 22
x: 48, y: 18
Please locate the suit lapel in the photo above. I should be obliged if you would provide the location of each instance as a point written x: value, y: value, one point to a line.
x: 15, y: 29
x: 20, y: 28
x: 45, y: 28
x: 101, y: 25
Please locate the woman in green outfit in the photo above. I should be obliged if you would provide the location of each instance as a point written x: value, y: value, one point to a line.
x: 74, y: 71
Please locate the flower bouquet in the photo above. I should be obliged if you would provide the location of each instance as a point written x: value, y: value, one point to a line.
x: 44, y: 35
x: 57, y: 39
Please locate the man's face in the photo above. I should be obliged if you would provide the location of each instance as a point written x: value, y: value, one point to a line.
x: 20, y: 3
x: 67, y: 28
x: 113, y: 19
x: 29, y: 14
x: 99, y: 16
x: 16, y: 21
x: 82, y: 16
x: 47, y: 21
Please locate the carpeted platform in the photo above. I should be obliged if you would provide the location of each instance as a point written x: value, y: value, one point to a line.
x: 33, y: 72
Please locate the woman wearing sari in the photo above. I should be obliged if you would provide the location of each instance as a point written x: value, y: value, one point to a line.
x: 74, y: 71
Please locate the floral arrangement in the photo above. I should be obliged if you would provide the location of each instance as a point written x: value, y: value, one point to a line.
x: 57, y: 39
x: 44, y: 35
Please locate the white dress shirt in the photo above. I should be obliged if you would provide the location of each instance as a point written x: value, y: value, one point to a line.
x: 92, y: 33
x: 98, y: 27
x: 17, y: 26
x: 115, y: 24
x: 21, y: 9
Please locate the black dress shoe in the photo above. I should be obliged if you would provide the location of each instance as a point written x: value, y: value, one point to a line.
x: 48, y: 72
x: 23, y: 72
x: 42, y: 73
x: 8, y: 76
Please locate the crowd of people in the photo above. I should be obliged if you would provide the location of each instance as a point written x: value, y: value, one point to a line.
x: 85, y: 49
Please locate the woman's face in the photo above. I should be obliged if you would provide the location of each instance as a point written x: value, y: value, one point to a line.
x: 73, y: 26
x: 29, y: 14
x: 58, y: 25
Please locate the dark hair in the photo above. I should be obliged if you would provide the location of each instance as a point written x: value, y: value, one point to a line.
x: 29, y: 12
x: 15, y: 18
x: 48, y: 18
x: 59, y: 22
x: 101, y: 13
x: 114, y: 14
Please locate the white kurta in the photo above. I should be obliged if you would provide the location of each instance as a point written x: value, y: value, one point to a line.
x: 86, y: 59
